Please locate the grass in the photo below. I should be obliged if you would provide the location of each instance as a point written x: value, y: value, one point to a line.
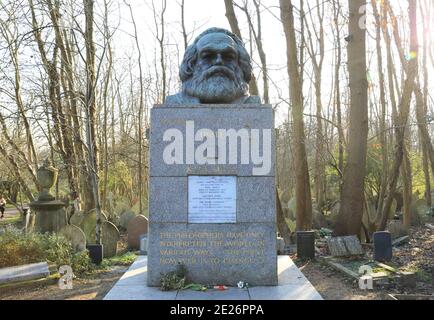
x: 120, y: 260
x: 10, y: 220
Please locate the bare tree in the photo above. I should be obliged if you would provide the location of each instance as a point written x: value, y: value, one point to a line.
x: 233, y: 22
x: 349, y: 219
x: 404, y: 109
x: 302, y: 192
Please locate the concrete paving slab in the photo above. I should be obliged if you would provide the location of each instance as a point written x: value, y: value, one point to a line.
x: 292, y: 285
x: 288, y: 273
x: 230, y: 294
x: 285, y: 292
x: 137, y: 292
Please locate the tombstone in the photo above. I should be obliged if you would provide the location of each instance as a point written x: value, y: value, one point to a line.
x: 344, y: 246
x: 77, y: 218
x: 280, y: 245
x: 121, y: 206
x: 125, y: 218
x: 212, y: 175
x: 88, y: 225
x: 143, y: 244
x: 137, y: 227
x: 95, y: 253
x: 110, y: 237
x: 396, y: 229
x: 75, y: 235
x: 382, y: 246
x: 306, y: 244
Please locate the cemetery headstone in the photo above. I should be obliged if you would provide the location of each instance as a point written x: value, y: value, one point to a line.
x: 396, y: 229
x: 143, y: 244
x: 75, y: 235
x: 95, y: 252
x: 125, y: 218
x: 212, y: 199
x: 344, y: 246
x: 280, y: 245
x: 136, y: 227
x: 88, y: 225
x: 77, y: 218
x: 382, y: 246
x: 306, y: 244
x: 110, y: 238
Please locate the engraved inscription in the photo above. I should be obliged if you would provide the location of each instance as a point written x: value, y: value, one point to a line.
x: 205, y: 248
x: 212, y: 199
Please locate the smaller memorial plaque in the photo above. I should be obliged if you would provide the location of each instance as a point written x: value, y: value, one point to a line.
x: 212, y: 199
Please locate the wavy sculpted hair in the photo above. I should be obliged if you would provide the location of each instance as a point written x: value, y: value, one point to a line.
x: 190, y: 56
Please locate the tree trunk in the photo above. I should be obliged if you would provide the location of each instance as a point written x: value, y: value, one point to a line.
x: 302, y: 193
x: 233, y: 22
x: 349, y: 220
x: 90, y: 114
x: 404, y: 110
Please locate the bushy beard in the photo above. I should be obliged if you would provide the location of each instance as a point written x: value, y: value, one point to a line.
x: 216, y: 85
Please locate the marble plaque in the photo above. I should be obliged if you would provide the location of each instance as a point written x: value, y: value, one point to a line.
x: 212, y: 199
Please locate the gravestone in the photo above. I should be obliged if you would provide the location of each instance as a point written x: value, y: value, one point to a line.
x: 344, y: 246
x: 110, y: 238
x: 280, y: 245
x: 77, y: 218
x: 306, y: 244
x: 136, y: 227
x: 382, y: 246
x: 397, y: 229
x: 88, y: 225
x: 143, y: 244
x: 125, y: 218
x: 75, y: 235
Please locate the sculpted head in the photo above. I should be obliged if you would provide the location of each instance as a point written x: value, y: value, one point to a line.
x: 216, y: 68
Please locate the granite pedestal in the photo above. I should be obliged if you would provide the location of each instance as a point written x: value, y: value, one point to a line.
x: 237, y: 241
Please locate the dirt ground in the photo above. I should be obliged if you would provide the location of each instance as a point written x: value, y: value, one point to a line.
x: 83, y: 289
x: 417, y: 255
x: 331, y: 285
